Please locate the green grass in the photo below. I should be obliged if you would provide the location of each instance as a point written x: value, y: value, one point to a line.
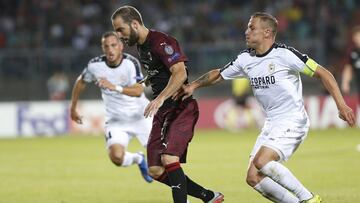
x: 75, y: 169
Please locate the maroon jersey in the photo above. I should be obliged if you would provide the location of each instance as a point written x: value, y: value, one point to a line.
x: 157, y: 54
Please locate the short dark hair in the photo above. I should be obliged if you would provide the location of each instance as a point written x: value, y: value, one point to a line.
x: 127, y: 13
x: 269, y: 19
x: 108, y: 34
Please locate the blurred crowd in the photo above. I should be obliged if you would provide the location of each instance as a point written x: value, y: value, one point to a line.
x: 79, y: 23
x: 318, y: 27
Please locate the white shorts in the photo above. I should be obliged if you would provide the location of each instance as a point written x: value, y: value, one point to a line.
x: 122, y: 133
x: 284, y: 137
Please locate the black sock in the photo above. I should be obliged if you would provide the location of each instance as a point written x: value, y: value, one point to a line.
x: 198, y: 191
x: 163, y: 179
x: 193, y: 189
x: 177, y: 181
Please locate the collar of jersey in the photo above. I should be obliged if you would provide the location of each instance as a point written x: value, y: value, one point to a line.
x: 117, y: 65
x: 268, y: 51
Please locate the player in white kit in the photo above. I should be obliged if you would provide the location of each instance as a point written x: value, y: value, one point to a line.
x: 117, y: 74
x: 274, y: 73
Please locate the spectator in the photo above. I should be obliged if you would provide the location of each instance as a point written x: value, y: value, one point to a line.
x: 58, y: 86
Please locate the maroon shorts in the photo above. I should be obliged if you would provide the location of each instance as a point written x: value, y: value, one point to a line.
x: 172, y: 131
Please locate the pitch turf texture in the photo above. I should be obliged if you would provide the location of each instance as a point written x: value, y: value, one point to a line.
x: 75, y: 169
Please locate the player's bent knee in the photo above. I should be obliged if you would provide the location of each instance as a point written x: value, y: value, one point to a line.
x: 259, y: 162
x: 156, y: 171
x: 117, y: 158
x: 252, y: 180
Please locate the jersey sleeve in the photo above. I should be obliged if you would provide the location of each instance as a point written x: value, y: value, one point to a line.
x: 169, y: 51
x: 301, y: 62
x: 135, y: 71
x: 233, y: 69
x: 87, y: 75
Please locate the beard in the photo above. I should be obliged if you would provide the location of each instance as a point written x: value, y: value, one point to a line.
x: 133, y: 38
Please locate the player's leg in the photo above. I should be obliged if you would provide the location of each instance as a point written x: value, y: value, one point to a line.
x: 160, y: 144
x: 267, y: 187
x: 178, y: 135
x: 176, y: 177
x: 265, y: 161
x: 120, y: 157
x: 142, y: 134
x: 117, y: 140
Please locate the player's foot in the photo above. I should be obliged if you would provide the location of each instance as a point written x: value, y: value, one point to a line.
x: 314, y: 199
x: 144, y: 169
x: 218, y: 198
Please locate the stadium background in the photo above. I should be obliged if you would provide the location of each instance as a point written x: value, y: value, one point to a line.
x: 41, y: 37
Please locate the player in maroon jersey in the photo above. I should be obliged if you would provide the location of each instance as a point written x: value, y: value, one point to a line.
x: 174, y: 121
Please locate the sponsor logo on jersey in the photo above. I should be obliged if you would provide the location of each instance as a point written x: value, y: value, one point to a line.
x: 262, y: 82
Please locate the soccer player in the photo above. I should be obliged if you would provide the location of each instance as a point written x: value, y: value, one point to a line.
x: 174, y: 121
x: 352, y: 68
x: 117, y: 74
x: 273, y: 70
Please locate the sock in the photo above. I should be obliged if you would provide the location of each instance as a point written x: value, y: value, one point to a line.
x: 280, y: 174
x: 193, y: 189
x: 131, y: 158
x: 275, y: 192
x: 163, y: 179
x: 177, y: 181
x: 198, y: 191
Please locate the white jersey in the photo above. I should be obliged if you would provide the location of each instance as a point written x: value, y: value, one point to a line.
x: 119, y: 107
x: 274, y: 78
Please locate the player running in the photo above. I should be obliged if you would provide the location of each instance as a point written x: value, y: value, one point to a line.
x: 117, y: 74
x: 274, y: 73
x: 174, y: 121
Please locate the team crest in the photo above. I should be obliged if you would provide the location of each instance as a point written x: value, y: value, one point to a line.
x: 168, y: 49
x: 271, y: 67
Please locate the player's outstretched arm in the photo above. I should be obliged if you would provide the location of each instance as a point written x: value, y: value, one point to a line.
x: 134, y: 90
x: 78, y: 88
x: 345, y: 112
x: 210, y: 78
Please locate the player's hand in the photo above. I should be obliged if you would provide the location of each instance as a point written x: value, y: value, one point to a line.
x: 76, y: 117
x: 347, y: 114
x: 104, y: 83
x: 153, y: 107
x: 184, y: 92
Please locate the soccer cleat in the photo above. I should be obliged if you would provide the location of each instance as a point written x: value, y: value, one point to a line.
x: 218, y: 198
x: 144, y: 169
x: 314, y: 199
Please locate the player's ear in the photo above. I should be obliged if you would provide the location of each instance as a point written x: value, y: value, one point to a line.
x: 135, y: 24
x: 267, y: 32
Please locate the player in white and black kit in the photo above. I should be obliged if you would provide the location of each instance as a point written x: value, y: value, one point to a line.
x: 274, y: 73
x: 117, y: 74
x: 351, y: 70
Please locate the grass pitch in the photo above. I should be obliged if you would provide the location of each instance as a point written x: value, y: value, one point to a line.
x: 75, y: 169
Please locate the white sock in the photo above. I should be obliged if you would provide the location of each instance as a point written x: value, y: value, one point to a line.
x: 280, y: 174
x: 275, y: 192
x: 131, y: 158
